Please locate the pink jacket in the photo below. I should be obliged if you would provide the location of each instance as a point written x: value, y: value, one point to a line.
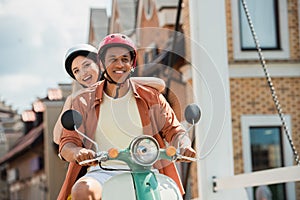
x: 158, y: 120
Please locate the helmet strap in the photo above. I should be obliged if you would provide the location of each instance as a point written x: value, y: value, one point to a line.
x: 100, y: 75
x: 110, y: 80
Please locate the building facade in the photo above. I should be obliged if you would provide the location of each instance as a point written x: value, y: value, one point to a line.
x: 259, y: 138
x: 11, y: 128
x: 30, y: 167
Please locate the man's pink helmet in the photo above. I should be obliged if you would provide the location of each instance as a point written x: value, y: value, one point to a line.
x: 117, y: 40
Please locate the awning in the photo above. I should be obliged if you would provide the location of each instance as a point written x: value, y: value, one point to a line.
x: 23, y: 143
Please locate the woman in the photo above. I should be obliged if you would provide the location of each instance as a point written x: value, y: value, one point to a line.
x: 81, y: 65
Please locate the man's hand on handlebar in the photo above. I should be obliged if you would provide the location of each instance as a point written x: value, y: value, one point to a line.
x: 85, y: 154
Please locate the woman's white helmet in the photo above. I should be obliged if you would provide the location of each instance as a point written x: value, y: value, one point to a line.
x: 79, y: 50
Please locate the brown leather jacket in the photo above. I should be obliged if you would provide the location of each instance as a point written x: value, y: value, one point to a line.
x: 158, y: 120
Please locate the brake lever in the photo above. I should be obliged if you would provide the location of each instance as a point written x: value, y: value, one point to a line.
x: 181, y: 157
x: 88, y: 161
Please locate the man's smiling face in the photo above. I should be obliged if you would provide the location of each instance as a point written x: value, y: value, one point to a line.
x: 118, y: 63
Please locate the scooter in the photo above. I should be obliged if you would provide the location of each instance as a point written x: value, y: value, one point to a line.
x: 140, y: 182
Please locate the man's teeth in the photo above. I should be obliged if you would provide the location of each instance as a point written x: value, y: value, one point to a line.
x: 119, y: 72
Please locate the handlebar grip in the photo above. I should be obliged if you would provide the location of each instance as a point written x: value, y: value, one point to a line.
x: 88, y: 161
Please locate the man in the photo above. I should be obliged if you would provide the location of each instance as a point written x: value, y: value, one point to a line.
x: 115, y: 112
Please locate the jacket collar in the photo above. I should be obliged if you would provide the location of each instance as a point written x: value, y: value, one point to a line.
x: 134, y: 88
x: 99, y: 91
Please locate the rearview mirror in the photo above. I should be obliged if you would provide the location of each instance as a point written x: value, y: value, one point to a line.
x: 71, y: 119
x: 192, y: 113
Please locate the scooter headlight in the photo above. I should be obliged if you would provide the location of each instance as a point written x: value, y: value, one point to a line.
x: 144, y: 150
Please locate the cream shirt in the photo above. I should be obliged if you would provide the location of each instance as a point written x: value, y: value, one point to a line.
x: 119, y: 122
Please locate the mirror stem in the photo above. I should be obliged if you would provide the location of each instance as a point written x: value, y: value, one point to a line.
x: 86, y: 137
x: 193, y: 124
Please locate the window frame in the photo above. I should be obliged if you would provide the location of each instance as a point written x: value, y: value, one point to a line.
x: 248, y: 121
x: 273, y: 54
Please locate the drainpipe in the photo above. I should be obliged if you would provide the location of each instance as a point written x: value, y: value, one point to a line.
x: 171, y: 53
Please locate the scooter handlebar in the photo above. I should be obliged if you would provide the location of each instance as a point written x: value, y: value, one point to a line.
x: 181, y: 157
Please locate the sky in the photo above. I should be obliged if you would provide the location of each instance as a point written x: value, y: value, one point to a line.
x: 34, y: 37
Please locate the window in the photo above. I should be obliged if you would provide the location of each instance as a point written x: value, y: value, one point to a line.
x: 148, y: 8
x: 266, y: 147
x: 267, y: 153
x: 151, y: 53
x: 269, y: 24
x: 266, y: 27
x: 2, y: 135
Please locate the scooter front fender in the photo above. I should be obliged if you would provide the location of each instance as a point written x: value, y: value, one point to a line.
x: 119, y: 187
x: 168, y: 189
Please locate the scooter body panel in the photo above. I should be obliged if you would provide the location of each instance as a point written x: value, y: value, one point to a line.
x: 122, y: 187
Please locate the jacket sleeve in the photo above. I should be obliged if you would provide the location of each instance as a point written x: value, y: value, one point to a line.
x: 167, y: 124
x: 72, y: 136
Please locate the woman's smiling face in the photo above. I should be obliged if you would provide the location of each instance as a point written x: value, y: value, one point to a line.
x: 85, y: 70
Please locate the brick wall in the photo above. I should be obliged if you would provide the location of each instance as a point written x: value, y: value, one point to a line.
x: 293, y: 30
x: 253, y: 96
